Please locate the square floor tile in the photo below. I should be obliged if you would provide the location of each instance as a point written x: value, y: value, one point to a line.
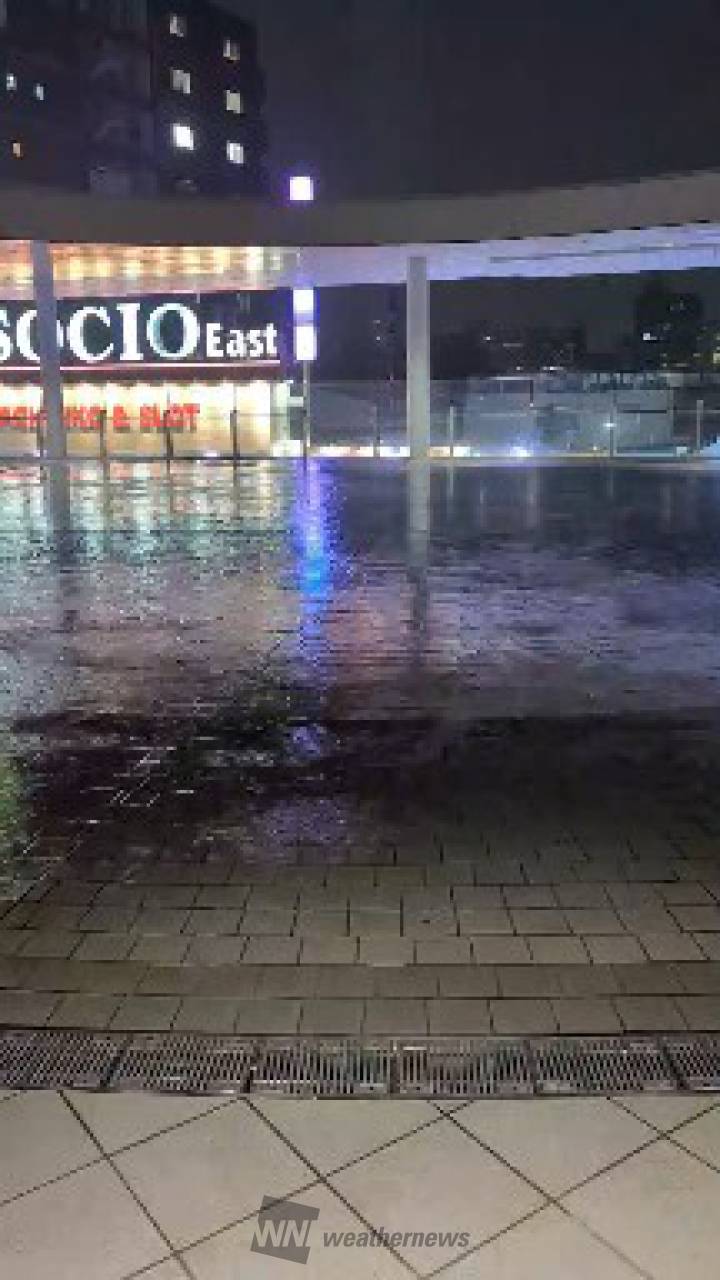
x: 556, y: 1143
x: 590, y: 1016
x: 229, y: 1256
x: 26, y: 1008
x: 207, y: 1014
x: 339, y: 1132
x: 522, y: 1017
x: 458, y: 1017
x: 272, y: 950
x: 211, y: 1172
x: 86, y: 1227
x: 498, y: 950
x: 443, y: 951
x: 85, y: 1011
x: 615, y: 950
x: 701, y: 1013
x: 548, y: 1246
x: 702, y: 1137
x: 267, y: 1017
x: 387, y: 952
x: 395, y: 1017
x: 539, y: 921
x: 666, y: 1111
x: 146, y: 1013
x: 40, y: 1139
x: 327, y: 950
x: 558, y: 950
x: 169, y: 1270
x: 437, y: 1179
x: 121, y: 1119
x: 649, y: 1013
x: 157, y: 949
x: 660, y: 1209
x: 104, y: 946
x: 670, y: 947
x: 332, y: 1017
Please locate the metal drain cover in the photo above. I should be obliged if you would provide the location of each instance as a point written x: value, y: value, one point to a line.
x: 696, y: 1061
x: 77, y: 1059
x: 323, y: 1070
x: 185, y: 1064
x: 601, y: 1066
x: 467, y: 1069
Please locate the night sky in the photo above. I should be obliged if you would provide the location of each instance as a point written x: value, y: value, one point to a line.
x: 400, y: 97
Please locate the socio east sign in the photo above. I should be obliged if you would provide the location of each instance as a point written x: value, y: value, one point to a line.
x: 250, y: 330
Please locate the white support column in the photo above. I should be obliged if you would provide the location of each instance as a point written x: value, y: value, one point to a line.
x: 49, y: 351
x: 418, y: 358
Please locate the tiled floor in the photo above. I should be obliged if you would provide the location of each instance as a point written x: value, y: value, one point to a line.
x: 109, y: 1187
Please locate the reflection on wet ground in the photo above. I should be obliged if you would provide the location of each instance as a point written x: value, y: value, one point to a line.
x: 349, y: 719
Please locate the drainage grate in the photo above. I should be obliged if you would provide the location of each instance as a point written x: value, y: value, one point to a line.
x: 600, y: 1066
x: 471, y: 1068
x: 696, y: 1061
x: 308, y: 1069
x: 468, y: 1069
x: 185, y: 1064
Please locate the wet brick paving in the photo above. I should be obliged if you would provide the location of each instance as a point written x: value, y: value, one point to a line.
x: 350, y: 751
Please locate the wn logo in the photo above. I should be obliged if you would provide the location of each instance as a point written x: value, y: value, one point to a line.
x: 283, y: 1229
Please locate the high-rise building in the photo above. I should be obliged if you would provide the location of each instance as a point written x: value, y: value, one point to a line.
x: 129, y: 97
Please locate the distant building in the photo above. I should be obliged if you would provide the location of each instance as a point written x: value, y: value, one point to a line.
x: 130, y: 97
x: 668, y: 332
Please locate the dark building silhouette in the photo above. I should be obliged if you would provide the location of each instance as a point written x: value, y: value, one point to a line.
x: 130, y: 97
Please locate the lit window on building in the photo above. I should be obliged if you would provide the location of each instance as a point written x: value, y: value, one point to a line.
x: 39, y: 92
x: 234, y: 102
x: 236, y: 152
x: 183, y: 137
x: 178, y: 24
x: 231, y: 51
x: 181, y: 80
x: 18, y: 150
x: 11, y: 81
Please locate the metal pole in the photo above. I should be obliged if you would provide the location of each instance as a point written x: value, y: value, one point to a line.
x: 418, y: 358
x: 699, y: 424
x: 103, y: 437
x: 234, y: 433
x: 169, y: 446
x: 375, y: 413
x: 49, y: 351
x: 451, y: 421
x: 306, y: 409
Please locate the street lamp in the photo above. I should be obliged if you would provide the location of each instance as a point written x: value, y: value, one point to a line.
x: 301, y: 189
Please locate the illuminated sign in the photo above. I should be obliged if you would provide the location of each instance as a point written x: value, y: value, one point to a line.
x: 220, y: 330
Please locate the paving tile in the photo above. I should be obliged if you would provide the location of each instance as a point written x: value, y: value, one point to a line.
x: 170, y: 980
x: 701, y: 1136
x: 212, y: 922
x: 40, y: 1139
x: 522, y: 1017
x: 709, y: 944
x: 85, y: 1011
x: 439, y: 1179
x: 176, y: 896
x: 530, y: 896
x: 547, y: 1246
x: 169, y: 1270
x: 500, y: 950
x: 435, y: 924
x: 648, y: 921
x: 652, y: 978
x: 26, y: 1008
x: 155, y: 949
x: 594, y: 920
x: 644, y: 1205
x: 322, y: 923
x: 412, y: 980
x: 491, y: 920
x: 267, y: 922
x: 229, y: 1254
x: 578, y: 981
x: 685, y: 894
x: 591, y: 1016
x: 395, y: 1017
x: 458, y: 1017
x: 215, y: 951
x: 670, y: 946
x: 40, y: 942
x: 386, y: 952
x: 699, y: 979
x: 615, y: 950
x: 480, y: 898
x: 327, y: 950
x: 666, y: 1111
x: 232, y: 896
x: 554, y: 1142
x: 332, y: 1017
x: 120, y: 1120
x: 366, y: 923
x: 540, y: 921
x: 443, y: 951
x: 649, y: 1013
x: 698, y: 919
x: 206, y: 1014
x: 267, y: 1017
x: 701, y: 1013
x: 272, y: 950
x: 11, y: 941
x: 530, y: 980
x: 467, y: 980
x: 85, y: 1227
x: 146, y: 1013
x: 104, y: 946
x: 558, y: 950
x: 230, y: 1153
x: 108, y: 919
x: 578, y: 896
x: 340, y: 1132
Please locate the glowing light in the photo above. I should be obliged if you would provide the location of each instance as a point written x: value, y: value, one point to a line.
x: 521, y: 451
x: 303, y: 303
x: 305, y: 342
x: 301, y: 189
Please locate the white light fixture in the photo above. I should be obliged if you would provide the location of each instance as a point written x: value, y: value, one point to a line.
x: 236, y: 152
x: 183, y: 137
x: 181, y: 80
x: 302, y: 189
x: 304, y: 304
x: 305, y: 343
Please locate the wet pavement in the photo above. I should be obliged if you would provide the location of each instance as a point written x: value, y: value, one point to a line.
x: 356, y: 750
